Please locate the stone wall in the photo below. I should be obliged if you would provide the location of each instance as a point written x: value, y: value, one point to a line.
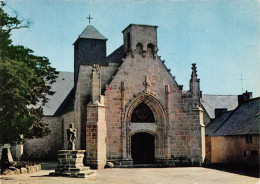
x: 243, y: 149
x: 45, y: 148
x: 83, y: 95
x: 208, y: 149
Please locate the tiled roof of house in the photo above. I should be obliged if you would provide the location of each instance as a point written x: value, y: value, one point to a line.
x: 245, y: 119
x: 216, y: 123
x: 211, y: 102
x: 62, y: 87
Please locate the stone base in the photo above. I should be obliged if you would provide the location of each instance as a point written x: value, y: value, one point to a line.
x: 185, y: 162
x: 159, y: 162
x: 164, y: 162
x: 93, y: 164
x: 70, y: 164
x: 122, y: 163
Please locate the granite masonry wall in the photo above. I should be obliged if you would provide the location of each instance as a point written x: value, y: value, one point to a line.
x: 83, y: 95
x: 178, y: 123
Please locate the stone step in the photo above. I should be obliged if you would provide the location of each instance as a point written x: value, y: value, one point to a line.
x: 81, y: 174
x: 73, y: 170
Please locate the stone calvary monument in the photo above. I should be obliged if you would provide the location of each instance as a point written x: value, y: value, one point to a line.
x: 70, y: 162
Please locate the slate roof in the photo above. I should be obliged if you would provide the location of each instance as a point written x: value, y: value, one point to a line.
x: 244, y: 120
x: 216, y: 123
x: 117, y: 55
x: 90, y: 32
x: 62, y: 87
x: 211, y: 102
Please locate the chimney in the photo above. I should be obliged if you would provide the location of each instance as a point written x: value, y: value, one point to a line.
x: 220, y: 111
x: 245, y: 96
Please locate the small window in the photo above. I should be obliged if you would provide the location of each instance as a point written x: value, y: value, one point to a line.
x: 249, y: 139
x: 93, y: 44
x: 254, y: 153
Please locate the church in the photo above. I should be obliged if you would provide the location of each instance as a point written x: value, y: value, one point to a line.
x: 127, y: 108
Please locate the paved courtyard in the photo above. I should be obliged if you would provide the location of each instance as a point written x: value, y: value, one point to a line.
x: 184, y: 175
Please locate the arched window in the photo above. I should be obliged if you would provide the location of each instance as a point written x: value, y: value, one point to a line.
x: 142, y: 114
x: 139, y: 48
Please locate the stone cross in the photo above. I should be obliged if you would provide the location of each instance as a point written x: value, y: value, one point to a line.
x: 146, y: 84
x: 89, y: 18
x: 71, y: 133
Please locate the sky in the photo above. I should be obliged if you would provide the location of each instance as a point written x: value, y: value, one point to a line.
x: 221, y: 36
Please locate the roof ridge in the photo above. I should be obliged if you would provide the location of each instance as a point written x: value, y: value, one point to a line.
x: 251, y: 99
x: 217, y: 95
x: 233, y: 111
x: 115, y: 50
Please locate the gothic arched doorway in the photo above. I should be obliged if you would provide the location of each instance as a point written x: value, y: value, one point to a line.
x: 142, y: 148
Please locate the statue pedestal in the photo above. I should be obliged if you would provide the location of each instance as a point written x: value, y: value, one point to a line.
x: 70, y: 164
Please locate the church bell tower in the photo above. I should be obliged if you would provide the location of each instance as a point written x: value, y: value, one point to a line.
x: 89, y: 49
x: 140, y: 39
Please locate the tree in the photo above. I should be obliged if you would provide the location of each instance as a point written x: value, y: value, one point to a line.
x: 25, y: 80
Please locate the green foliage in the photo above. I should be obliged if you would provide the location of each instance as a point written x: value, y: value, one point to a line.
x: 25, y: 81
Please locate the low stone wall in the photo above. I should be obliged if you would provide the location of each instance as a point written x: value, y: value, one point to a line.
x: 22, y: 170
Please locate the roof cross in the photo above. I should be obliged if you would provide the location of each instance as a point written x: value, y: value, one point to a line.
x: 146, y: 84
x: 89, y: 18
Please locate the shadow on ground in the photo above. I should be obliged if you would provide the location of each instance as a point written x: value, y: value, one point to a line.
x: 237, y: 169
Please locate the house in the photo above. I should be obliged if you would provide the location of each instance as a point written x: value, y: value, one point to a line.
x: 233, y: 137
x: 215, y: 104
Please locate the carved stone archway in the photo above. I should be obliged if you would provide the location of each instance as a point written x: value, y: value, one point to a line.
x: 158, y: 129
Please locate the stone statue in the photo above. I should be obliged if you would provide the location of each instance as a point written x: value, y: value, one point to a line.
x: 71, y: 133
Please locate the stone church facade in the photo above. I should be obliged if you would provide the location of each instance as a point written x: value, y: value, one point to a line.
x: 127, y: 107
